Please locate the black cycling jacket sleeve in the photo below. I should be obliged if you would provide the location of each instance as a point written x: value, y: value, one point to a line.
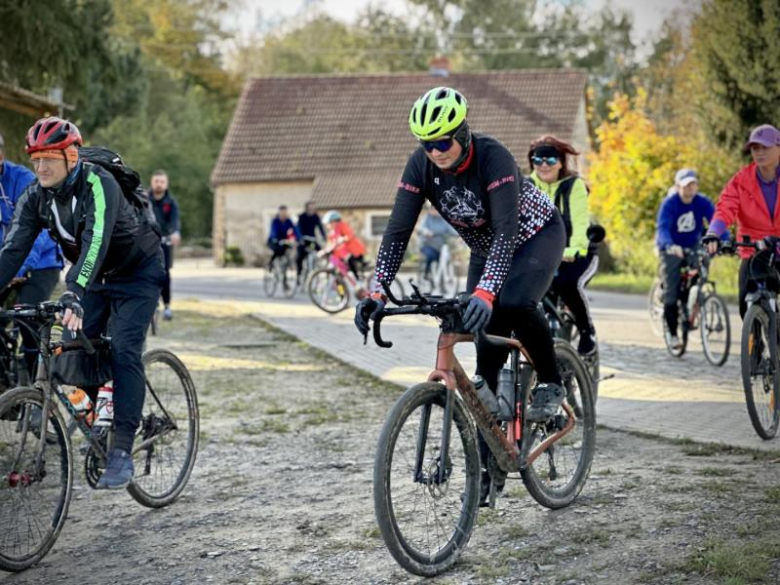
x: 409, y: 201
x: 101, y: 205
x: 503, y: 183
x: 25, y: 227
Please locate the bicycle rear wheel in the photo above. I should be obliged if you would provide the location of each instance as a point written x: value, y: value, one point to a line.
x: 33, y: 506
x: 715, y: 330
x: 655, y: 306
x: 760, y: 373
x: 328, y: 291
x: 270, y: 281
x: 170, y: 415
x: 425, y: 523
x: 558, y: 475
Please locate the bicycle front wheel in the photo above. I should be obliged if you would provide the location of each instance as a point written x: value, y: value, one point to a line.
x: 682, y: 328
x: 167, y: 440
x: 426, y: 522
x: 270, y: 282
x: 760, y: 373
x: 556, y: 477
x: 715, y: 330
x: 33, y: 501
x: 328, y: 291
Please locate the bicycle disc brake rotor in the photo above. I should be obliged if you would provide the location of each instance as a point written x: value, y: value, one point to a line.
x: 436, y: 488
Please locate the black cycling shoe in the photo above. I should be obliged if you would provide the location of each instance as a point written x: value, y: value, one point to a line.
x: 587, y: 345
x: 547, y: 398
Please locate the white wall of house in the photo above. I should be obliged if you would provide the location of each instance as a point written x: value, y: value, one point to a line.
x: 243, y: 214
x: 581, y: 136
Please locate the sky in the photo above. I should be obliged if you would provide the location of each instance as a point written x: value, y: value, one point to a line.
x: 648, y: 14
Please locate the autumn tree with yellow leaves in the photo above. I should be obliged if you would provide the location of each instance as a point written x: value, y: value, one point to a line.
x: 632, y: 170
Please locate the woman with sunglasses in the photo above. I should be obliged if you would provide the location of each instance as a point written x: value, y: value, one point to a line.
x: 549, y: 160
x: 515, y: 235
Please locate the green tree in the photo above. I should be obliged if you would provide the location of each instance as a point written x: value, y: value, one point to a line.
x: 737, y: 44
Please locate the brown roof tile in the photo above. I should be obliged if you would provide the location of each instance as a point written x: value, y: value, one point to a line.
x: 350, y: 132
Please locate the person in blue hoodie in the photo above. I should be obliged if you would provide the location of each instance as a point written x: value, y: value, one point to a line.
x: 36, y: 279
x: 680, y: 226
x: 282, y: 230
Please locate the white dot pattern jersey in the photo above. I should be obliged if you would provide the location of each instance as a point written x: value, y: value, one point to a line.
x: 488, y: 202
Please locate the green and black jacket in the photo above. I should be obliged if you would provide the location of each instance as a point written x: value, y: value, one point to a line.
x: 101, y: 232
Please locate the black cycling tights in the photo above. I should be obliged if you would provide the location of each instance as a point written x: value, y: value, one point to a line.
x: 517, y: 308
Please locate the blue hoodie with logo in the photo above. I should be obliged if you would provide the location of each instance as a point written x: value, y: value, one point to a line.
x: 682, y: 224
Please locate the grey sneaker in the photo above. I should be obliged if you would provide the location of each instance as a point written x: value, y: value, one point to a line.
x: 675, y: 342
x: 167, y: 314
x: 119, y: 471
x: 546, y: 400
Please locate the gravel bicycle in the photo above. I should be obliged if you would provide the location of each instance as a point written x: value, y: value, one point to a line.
x: 699, y: 307
x: 427, y: 470
x: 36, y: 453
x: 332, y: 287
x: 760, y: 362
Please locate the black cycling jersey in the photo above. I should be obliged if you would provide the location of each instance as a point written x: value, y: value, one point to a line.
x: 490, y: 204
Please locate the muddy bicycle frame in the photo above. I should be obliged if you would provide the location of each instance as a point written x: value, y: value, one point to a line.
x: 449, y: 371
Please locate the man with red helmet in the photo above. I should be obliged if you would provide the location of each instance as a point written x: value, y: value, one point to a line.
x: 117, y: 266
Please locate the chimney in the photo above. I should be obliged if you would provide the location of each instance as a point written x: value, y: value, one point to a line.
x: 439, y: 66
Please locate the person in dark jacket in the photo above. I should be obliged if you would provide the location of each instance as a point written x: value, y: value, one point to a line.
x: 166, y: 212
x: 117, y: 267
x: 40, y: 272
x: 309, y: 223
x: 281, y: 234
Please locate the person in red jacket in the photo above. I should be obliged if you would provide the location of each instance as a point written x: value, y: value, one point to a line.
x: 751, y: 200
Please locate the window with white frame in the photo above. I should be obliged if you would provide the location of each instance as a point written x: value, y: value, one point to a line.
x: 376, y: 224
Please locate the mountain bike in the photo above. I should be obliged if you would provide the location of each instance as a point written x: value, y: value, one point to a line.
x: 36, y: 454
x: 440, y: 278
x: 427, y: 470
x: 280, y: 275
x: 332, y: 287
x: 562, y: 322
x: 563, y: 326
x: 699, y: 307
x: 760, y: 362
x: 311, y: 262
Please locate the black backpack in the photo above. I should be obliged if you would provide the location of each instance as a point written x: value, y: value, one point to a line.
x: 128, y: 180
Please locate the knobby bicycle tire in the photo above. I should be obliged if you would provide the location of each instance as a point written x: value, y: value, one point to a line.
x: 181, y: 409
x: 13, y: 405
x: 399, y: 540
x: 765, y: 418
x: 580, y: 397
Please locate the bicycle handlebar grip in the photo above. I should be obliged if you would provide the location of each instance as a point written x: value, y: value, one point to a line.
x: 378, y: 333
x: 389, y: 294
x: 85, y: 342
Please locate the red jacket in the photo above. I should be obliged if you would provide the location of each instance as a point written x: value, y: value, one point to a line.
x: 742, y: 201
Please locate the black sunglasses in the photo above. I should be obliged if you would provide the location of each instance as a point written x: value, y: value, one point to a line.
x: 540, y: 160
x: 442, y: 145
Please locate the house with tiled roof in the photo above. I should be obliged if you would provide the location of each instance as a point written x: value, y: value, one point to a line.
x: 342, y: 141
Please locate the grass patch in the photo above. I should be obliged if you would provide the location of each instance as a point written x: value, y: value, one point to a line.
x: 627, y: 283
x: 737, y: 562
x: 673, y: 470
x: 514, y: 531
x: 274, y: 410
x: 596, y: 536
x: 319, y: 414
x: 715, y: 472
x: 773, y: 495
x: 372, y: 532
x: 718, y: 488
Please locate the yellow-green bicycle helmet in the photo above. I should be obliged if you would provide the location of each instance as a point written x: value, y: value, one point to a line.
x: 437, y: 113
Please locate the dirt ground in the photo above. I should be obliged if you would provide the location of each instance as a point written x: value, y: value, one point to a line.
x: 282, y: 492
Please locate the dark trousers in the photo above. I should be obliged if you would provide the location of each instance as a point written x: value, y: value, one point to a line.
x: 166, y: 287
x: 129, y: 301
x: 431, y: 255
x: 34, y: 290
x: 671, y: 267
x: 517, y: 307
x: 569, y: 284
x: 755, y: 267
x: 303, y: 251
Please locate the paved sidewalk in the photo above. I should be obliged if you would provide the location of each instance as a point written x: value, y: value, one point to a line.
x: 650, y: 392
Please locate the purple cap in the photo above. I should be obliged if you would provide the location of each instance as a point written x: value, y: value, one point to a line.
x: 685, y: 177
x: 765, y: 135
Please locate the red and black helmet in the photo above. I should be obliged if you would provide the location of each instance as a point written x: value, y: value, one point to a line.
x: 52, y: 134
